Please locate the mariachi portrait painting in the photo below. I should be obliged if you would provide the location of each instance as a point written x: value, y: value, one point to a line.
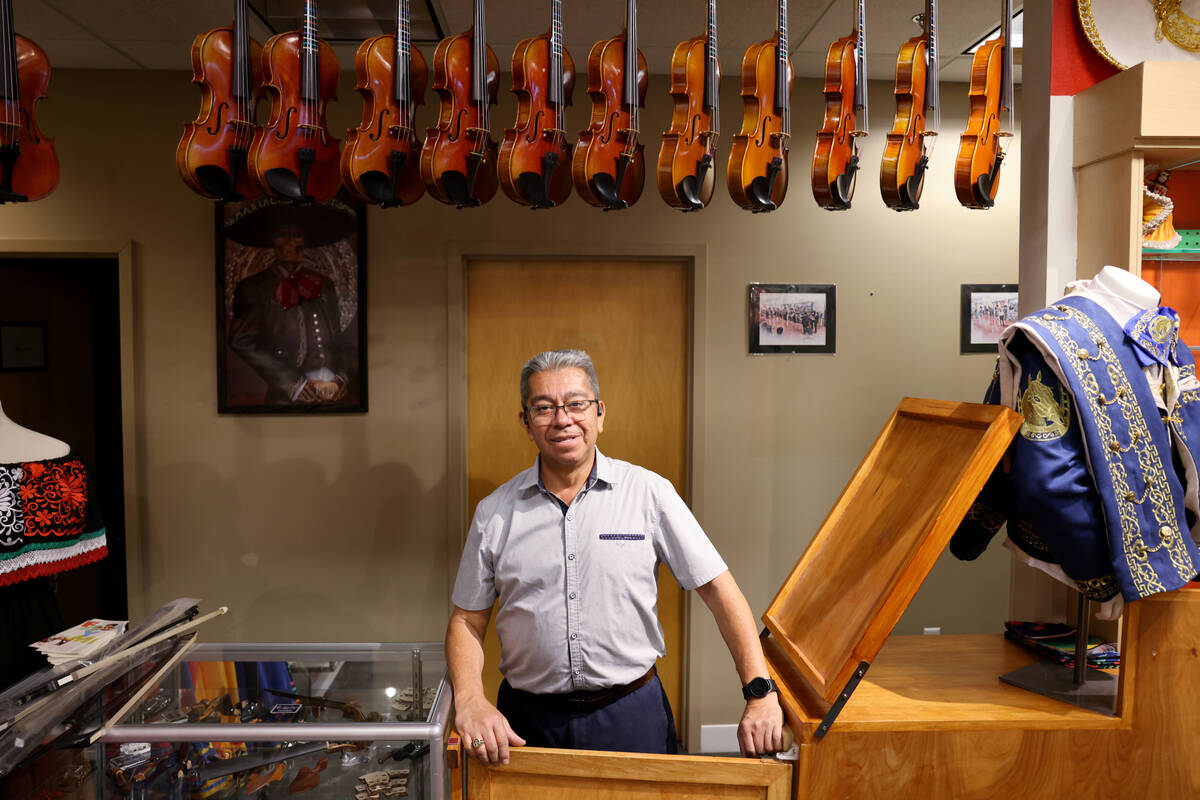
x: 291, y: 307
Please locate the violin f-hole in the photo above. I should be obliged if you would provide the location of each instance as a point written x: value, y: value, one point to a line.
x: 216, y: 126
x: 287, y: 124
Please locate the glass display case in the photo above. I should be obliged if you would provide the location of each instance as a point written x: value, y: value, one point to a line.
x: 361, y: 721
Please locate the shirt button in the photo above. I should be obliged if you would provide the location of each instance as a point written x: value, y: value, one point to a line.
x: 572, y: 595
x: 570, y: 556
x: 574, y: 635
x: 570, y: 517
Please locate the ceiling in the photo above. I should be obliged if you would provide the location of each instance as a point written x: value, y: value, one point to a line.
x: 157, y: 34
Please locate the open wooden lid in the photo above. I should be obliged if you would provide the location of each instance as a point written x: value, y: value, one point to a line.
x: 882, y: 538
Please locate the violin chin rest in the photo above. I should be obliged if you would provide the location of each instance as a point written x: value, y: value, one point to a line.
x: 454, y: 183
x: 216, y: 182
x: 533, y: 187
x: 688, y: 191
x: 379, y: 187
x: 605, y: 187
x: 759, y: 191
x: 285, y: 183
x: 983, y: 191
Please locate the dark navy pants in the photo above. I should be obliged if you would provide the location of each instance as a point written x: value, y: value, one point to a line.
x: 640, y: 722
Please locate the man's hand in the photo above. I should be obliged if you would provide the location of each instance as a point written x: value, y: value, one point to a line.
x: 760, y: 733
x: 475, y: 719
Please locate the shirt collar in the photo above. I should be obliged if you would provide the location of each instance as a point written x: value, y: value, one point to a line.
x: 602, y: 471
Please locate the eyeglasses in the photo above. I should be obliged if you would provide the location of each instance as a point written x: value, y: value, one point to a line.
x: 576, y: 409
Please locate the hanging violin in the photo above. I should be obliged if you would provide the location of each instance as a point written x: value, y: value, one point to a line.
x: 918, y: 114
x: 685, y: 159
x: 212, y: 153
x: 381, y: 161
x: 293, y: 156
x: 458, y: 159
x: 28, y: 163
x: 757, y: 175
x: 535, y: 156
x: 835, y: 159
x: 609, y: 168
x: 977, y: 167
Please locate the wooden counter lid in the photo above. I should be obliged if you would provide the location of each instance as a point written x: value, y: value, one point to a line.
x: 882, y: 538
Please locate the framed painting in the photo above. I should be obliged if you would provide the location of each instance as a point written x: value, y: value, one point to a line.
x: 23, y: 347
x: 987, y: 309
x: 793, y: 318
x: 291, y: 307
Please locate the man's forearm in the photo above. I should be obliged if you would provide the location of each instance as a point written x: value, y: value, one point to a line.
x: 732, y: 613
x: 464, y: 657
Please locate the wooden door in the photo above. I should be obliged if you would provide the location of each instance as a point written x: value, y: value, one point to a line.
x: 633, y: 318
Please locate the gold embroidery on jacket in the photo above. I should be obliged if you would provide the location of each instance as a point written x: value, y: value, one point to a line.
x: 1046, y: 417
x: 1135, y: 550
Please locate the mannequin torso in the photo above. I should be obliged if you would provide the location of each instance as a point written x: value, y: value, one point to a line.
x: 22, y: 444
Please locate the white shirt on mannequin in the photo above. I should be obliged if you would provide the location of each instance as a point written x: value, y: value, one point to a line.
x: 22, y: 444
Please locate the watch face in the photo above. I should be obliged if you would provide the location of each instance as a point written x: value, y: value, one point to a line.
x: 758, y: 687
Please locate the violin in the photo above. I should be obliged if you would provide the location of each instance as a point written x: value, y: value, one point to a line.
x: 458, y: 159
x: 381, y: 161
x: 213, y: 151
x: 977, y: 167
x: 757, y: 175
x: 835, y: 158
x: 28, y: 163
x: 609, y: 168
x: 918, y: 113
x: 535, y: 156
x: 685, y: 159
x: 293, y: 157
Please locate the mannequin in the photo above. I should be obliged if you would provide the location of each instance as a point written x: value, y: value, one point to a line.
x: 22, y: 444
x: 1127, y: 285
x: 1101, y: 480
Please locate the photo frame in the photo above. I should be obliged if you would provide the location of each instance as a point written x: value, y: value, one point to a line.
x: 23, y: 347
x: 291, y: 307
x: 793, y: 318
x: 986, y: 310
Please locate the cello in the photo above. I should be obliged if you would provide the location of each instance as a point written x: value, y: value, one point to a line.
x: 835, y: 158
x: 212, y: 153
x: 293, y: 157
x: 28, y: 163
x: 757, y: 175
x: 381, y: 162
x: 608, y: 167
x: 918, y: 116
x: 685, y: 159
x: 535, y: 156
x: 977, y: 167
x: 458, y: 159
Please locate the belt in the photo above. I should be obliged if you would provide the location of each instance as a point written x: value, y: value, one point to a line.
x: 585, y: 700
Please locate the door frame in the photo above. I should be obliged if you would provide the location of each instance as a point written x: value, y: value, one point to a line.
x: 132, y: 443
x: 458, y: 515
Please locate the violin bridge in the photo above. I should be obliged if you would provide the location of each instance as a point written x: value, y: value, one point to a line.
x: 779, y: 138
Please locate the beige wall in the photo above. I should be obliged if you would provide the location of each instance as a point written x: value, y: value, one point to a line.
x: 335, y: 528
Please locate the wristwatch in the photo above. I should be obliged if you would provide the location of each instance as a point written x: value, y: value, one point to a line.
x: 759, y: 687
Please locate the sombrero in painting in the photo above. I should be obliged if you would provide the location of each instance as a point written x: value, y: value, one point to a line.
x: 255, y: 223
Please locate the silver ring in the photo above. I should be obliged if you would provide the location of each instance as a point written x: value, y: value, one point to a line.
x: 477, y: 742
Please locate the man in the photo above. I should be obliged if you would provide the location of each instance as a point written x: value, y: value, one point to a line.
x: 286, y: 325
x: 570, y: 547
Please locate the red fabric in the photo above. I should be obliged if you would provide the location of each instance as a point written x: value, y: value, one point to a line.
x: 54, y: 498
x: 53, y: 567
x: 1074, y: 63
x: 303, y: 284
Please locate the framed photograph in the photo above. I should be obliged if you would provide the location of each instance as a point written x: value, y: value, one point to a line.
x: 291, y: 307
x: 23, y: 347
x: 793, y: 318
x: 987, y: 309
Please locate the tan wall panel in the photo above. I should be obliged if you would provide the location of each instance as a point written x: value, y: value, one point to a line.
x: 335, y: 528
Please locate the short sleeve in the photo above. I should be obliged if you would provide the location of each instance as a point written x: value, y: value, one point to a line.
x: 475, y: 585
x: 682, y: 544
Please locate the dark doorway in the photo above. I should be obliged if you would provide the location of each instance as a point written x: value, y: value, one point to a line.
x: 77, y: 399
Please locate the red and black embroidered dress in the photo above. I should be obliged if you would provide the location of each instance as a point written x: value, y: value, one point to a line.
x: 49, y: 522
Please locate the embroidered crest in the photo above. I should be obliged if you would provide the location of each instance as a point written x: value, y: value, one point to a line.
x: 1154, y: 332
x: 1046, y: 416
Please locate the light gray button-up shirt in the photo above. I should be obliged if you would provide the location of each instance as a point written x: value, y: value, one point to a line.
x: 578, y: 591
